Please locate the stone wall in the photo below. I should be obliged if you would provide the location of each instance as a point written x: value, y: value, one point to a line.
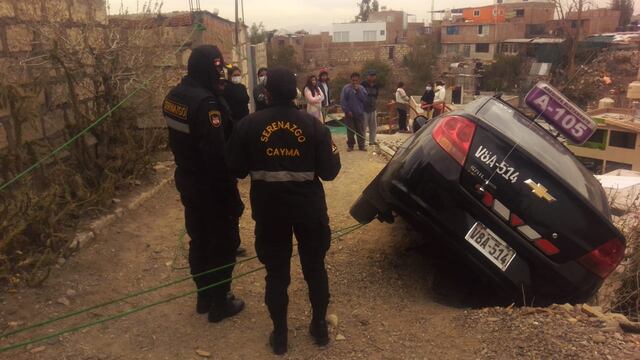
x: 27, y: 69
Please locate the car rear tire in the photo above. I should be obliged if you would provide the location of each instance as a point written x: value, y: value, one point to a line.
x: 363, y: 210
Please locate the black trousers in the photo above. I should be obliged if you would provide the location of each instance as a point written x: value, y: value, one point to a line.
x: 356, y: 123
x: 212, y: 221
x: 402, y: 119
x: 274, y: 248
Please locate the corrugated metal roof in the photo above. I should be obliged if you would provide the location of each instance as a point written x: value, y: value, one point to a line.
x: 547, y: 41
x: 521, y: 41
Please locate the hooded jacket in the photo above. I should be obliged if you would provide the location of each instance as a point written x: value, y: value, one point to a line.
x: 198, y: 120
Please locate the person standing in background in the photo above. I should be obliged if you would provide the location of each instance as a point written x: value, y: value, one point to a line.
x: 235, y: 93
x: 259, y: 92
x: 314, y: 98
x: 352, y: 100
x: 370, y: 118
x: 323, y: 85
x: 402, y: 105
x: 426, y: 101
x: 439, y: 98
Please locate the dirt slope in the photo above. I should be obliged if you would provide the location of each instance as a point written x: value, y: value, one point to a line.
x: 381, y: 293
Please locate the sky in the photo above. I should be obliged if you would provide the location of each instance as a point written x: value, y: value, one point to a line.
x: 311, y: 15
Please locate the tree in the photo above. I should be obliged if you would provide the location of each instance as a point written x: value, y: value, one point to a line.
x: 366, y: 7
x: 421, y: 61
x: 257, y: 34
x: 571, y: 33
x: 283, y: 56
x: 504, y: 74
x: 626, y: 10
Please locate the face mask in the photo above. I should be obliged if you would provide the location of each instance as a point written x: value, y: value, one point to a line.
x: 428, y: 88
x: 236, y: 79
x: 262, y: 79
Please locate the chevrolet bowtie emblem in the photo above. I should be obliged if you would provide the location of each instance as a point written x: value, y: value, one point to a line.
x: 540, y: 190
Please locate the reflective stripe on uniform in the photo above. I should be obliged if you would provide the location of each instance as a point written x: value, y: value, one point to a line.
x: 275, y: 176
x: 177, y: 125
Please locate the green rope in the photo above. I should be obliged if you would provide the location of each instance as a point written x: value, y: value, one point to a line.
x: 96, y: 122
x: 341, y: 232
x: 122, y: 314
x: 136, y: 294
x: 363, y: 137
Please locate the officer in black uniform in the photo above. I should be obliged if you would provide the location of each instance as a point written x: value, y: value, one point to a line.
x: 286, y: 152
x: 198, y: 125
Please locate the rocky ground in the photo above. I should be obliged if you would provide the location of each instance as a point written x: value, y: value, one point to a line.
x: 394, y: 296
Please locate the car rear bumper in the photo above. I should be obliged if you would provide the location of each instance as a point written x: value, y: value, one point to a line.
x: 430, y: 194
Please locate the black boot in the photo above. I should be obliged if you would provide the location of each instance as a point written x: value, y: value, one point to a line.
x: 278, y: 341
x: 223, y: 309
x: 204, y: 301
x: 320, y: 332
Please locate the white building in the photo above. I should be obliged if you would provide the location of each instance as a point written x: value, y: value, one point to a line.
x: 359, y: 32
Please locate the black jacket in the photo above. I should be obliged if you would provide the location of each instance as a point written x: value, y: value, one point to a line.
x: 428, y: 96
x: 286, y: 152
x: 372, y: 96
x: 260, y: 97
x: 238, y: 100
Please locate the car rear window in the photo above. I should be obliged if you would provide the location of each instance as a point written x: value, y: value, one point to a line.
x: 549, y: 151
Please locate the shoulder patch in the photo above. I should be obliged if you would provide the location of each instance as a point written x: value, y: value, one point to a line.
x: 176, y: 109
x: 215, y: 118
x: 334, y: 148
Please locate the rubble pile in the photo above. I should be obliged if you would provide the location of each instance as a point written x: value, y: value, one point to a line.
x: 559, y: 331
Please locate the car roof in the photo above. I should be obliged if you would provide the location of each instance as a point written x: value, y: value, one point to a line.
x: 539, y: 143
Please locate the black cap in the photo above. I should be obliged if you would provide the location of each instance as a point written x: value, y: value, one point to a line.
x: 201, y: 67
x: 281, y: 85
x: 371, y: 72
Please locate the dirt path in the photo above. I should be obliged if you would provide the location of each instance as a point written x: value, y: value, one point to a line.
x: 381, y: 294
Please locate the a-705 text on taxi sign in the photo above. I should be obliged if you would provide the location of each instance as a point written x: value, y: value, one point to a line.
x: 561, y: 113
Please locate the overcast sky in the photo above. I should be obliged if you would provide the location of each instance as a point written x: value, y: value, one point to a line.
x: 311, y: 15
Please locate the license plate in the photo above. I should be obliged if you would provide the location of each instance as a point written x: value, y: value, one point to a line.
x: 491, y: 246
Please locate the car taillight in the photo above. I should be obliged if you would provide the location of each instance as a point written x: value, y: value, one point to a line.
x: 604, y: 259
x: 454, y: 135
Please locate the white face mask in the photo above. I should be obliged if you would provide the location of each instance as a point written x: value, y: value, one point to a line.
x: 236, y: 79
x: 262, y: 79
x: 428, y: 88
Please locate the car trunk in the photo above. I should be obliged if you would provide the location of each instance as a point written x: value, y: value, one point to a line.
x: 540, y: 187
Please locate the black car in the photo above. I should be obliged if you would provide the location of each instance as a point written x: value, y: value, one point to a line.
x: 506, y: 195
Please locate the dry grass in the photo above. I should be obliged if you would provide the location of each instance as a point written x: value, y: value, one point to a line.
x: 98, y: 67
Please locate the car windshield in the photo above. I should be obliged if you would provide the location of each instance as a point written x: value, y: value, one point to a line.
x: 542, y: 145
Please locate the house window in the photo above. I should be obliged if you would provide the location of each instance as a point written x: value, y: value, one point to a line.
x: 280, y: 43
x: 476, y: 13
x: 382, y: 32
x: 341, y: 36
x: 519, y: 12
x: 483, y: 30
x: 369, y: 35
x: 593, y: 165
x: 453, y: 30
x: 391, y: 52
x: 622, y: 139
x: 597, y: 141
x: 613, y: 166
x: 482, y: 48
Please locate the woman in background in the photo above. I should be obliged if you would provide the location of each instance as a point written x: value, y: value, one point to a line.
x: 314, y: 97
x: 235, y: 93
x: 426, y: 102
